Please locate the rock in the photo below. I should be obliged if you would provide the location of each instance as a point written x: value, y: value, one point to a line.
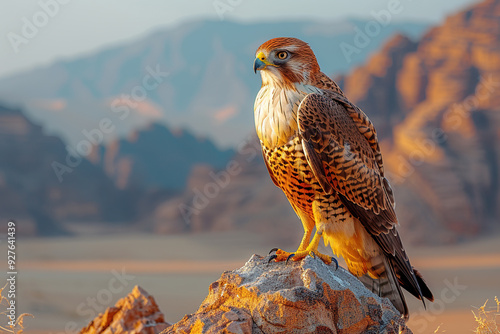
x: 298, y: 297
x: 137, y: 313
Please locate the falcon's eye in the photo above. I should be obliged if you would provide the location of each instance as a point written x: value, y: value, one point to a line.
x: 282, y: 55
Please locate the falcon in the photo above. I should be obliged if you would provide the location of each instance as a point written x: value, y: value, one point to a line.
x: 323, y: 152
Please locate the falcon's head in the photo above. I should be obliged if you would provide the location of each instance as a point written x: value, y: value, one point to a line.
x: 285, y: 61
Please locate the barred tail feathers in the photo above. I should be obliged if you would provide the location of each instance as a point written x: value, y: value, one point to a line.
x: 386, y: 285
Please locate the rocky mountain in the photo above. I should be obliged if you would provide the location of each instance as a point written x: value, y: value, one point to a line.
x: 45, y: 184
x: 443, y: 154
x: 197, y: 76
x: 156, y: 157
x: 374, y: 85
x: 41, y: 184
x: 435, y: 103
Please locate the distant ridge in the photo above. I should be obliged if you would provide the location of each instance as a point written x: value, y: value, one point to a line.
x: 156, y: 157
x: 45, y: 184
x: 208, y: 85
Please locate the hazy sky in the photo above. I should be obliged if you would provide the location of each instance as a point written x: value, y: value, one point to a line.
x: 72, y: 27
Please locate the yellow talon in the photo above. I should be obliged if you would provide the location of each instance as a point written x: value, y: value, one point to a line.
x: 311, y: 249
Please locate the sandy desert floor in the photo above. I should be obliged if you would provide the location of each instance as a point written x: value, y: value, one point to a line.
x: 64, y: 282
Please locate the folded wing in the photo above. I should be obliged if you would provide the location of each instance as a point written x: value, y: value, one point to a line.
x: 341, y: 148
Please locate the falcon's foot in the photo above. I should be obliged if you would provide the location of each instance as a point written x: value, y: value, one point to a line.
x: 280, y: 255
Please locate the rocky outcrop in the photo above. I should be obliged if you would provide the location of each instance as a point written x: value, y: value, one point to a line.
x: 299, y: 297
x: 136, y: 313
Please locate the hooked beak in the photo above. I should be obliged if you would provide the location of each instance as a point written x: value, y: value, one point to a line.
x: 261, y: 62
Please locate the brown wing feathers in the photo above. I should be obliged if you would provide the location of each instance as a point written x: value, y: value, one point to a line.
x: 341, y: 148
x: 347, y: 160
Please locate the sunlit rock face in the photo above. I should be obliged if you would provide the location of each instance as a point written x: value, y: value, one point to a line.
x: 136, y: 313
x: 300, y: 297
